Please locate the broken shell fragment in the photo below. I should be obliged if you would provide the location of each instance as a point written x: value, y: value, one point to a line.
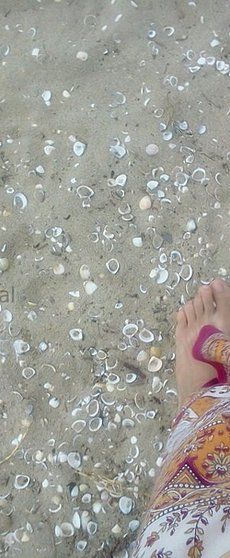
x: 84, y: 272
x: 4, y: 264
x: 154, y: 364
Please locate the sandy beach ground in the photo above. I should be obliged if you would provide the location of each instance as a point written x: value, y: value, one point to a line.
x: 114, y: 207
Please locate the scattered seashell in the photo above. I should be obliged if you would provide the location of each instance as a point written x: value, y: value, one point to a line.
x: 125, y: 505
x: 121, y: 180
x: 79, y: 148
x: 133, y: 525
x: 130, y: 330
x: 155, y: 351
x: 28, y: 373
x: 21, y: 482
x: 82, y: 55
x: 145, y: 203
x: 67, y: 529
x: 116, y: 529
x: 90, y: 287
x: 155, y: 364
x: 76, y: 520
x: 156, y: 384
x: 152, y: 149
x: 81, y: 545
x: 142, y: 355
x: 92, y: 528
x: 95, y: 424
x: 113, y: 266
x: 130, y: 378
x: 76, y: 334
x: 146, y: 335
x: 78, y: 426
x: 186, y: 272
x: 58, y: 269
x: 137, y: 241
x: 21, y: 346
x: 46, y: 95
x: 54, y: 402
x: 118, y: 151
x: 74, y: 459
x: 4, y: 264
x: 191, y: 225
x: 20, y: 200
x: 84, y: 272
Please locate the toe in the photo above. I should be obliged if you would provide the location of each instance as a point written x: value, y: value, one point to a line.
x: 221, y: 291
x: 206, y: 294
x: 190, y: 313
x: 198, y: 306
x: 181, y: 318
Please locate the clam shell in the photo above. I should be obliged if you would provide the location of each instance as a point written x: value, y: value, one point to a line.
x: 67, y: 529
x: 92, y: 527
x: 21, y: 482
x: 155, y: 364
x: 78, y: 426
x: 84, y: 272
x: 156, y: 384
x: 125, y: 505
x: 146, y: 335
x: 186, y: 272
x: 28, y: 373
x: 113, y: 265
x: 76, y: 334
x: 74, y: 460
x: 90, y: 287
x: 79, y: 148
x: 95, y: 424
x: 130, y: 330
x: 76, y: 520
x: 20, y: 200
x: 4, y: 264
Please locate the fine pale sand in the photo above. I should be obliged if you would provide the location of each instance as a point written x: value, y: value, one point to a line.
x: 86, y: 88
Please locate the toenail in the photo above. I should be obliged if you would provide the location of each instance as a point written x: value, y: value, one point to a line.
x: 219, y: 286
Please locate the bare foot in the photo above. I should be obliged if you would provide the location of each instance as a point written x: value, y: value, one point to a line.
x: 211, y: 306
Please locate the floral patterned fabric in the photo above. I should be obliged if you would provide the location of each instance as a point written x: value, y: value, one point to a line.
x: 189, y: 512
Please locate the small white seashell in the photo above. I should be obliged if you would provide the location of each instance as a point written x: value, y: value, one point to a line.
x: 58, y: 531
x: 113, y: 266
x: 4, y: 264
x: 202, y: 129
x: 76, y: 520
x: 54, y: 402
x: 82, y: 55
x: 28, y: 373
x: 167, y: 136
x: 118, y: 151
x: 199, y: 174
x: 67, y: 529
x: 48, y: 149
x: 90, y: 287
x: 86, y: 498
x: 65, y: 94
x: 46, y: 95
x: 97, y: 506
x: 93, y: 408
x: 133, y: 525
x: 146, y: 335
x: 145, y: 203
x: 21, y: 346
x: 21, y: 482
x: 142, y: 355
x: 59, y: 269
x: 116, y: 529
x: 121, y: 180
x: 154, y: 364
x: 152, y: 185
x: 76, y: 334
x: 79, y: 148
x: 20, y: 200
x: 92, y: 528
x: 84, y: 272
x: 125, y: 505
x: 186, y: 272
x: 74, y: 459
x: 191, y: 225
x: 40, y: 169
x: 78, y: 426
x: 130, y: 378
x: 81, y: 545
x: 137, y: 241
x: 130, y: 330
x: 152, y: 149
x: 156, y: 384
x: 95, y: 424
x: 35, y: 52
x: 128, y: 423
